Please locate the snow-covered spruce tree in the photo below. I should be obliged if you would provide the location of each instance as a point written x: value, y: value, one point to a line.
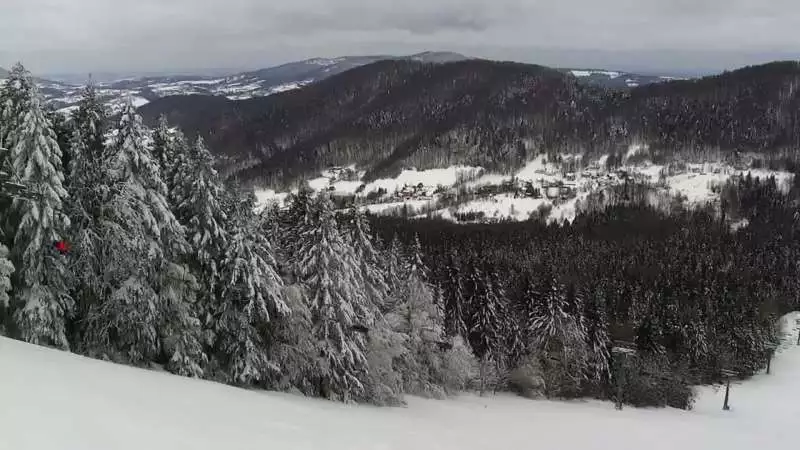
x: 560, y: 340
x: 294, y: 223
x: 370, y: 259
x: 42, y: 300
x: 140, y: 307
x: 486, y: 333
x: 15, y: 97
x: 163, y: 150
x: 88, y: 192
x: 89, y: 124
x: 339, y: 307
x: 598, y: 340
x: 394, y: 267
x: 417, y: 317
x: 250, y: 299
x: 198, y: 206
x: 173, y: 153
x: 454, y: 298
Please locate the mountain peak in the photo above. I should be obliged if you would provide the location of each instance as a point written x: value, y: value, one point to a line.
x: 437, y: 57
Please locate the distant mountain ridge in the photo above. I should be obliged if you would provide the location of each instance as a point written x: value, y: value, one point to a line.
x: 394, y: 114
x: 64, y: 95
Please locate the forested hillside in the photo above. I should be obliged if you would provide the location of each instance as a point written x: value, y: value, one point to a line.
x: 491, y: 114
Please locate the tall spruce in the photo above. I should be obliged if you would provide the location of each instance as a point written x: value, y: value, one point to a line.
x: 251, y: 303
x: 377, y: 290
x: 42, y: 299
x: 339, y: 307
x: 198, y: 199
x: 88, y: 193
x: 15, y: 97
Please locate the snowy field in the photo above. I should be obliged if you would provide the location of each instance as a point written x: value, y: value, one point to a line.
x: 52, y: 400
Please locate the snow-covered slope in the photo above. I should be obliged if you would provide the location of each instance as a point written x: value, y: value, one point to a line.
x: 55, y: 400
x: 616, y: 79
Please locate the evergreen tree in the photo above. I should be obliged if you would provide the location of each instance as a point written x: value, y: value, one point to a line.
x: 420, y: 321
x: 486, y: 333
x: 395, y: 273
x: 88, y: 190
x: 297, y: 221
x: 199, y: 208
x: 42, y: 300
x: 369, y: 258
x: 251, y: 298
x: 415, y: 267
x: 598, y: 340
x: 88, y: 139
x: 339, y: 306
x: 455, y: 300
x: 174, y: 156
x: 15, y: 98
x: 164, y: 150
x: 560, y: 339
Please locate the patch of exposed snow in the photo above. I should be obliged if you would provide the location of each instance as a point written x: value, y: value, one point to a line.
x: 265, y: 197
x: 503, y: 206
x: 384, y: 208
x: 635, y: 149
x: 446, y: 177
x: 139, y: 101
x: 567, y: 210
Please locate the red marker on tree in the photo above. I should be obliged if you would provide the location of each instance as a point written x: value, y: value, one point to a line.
x: 62, y: 246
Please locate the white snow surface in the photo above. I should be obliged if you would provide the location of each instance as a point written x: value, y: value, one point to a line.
x: 446, y: 177
x: 56, y: 400
x: 502, y: 207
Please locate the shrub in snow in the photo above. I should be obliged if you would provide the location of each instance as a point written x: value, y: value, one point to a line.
x: 459, y: 369
x: 527, y: 380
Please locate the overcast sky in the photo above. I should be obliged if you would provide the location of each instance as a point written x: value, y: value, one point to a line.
x: 79, y: 36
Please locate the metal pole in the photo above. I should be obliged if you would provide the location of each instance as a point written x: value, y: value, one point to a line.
x: 725, y: 407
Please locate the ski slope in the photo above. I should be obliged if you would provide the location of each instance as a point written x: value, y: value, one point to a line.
x: 54, y: 400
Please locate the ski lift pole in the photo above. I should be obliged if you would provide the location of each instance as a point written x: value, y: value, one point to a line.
x: 771, y: 347
x: 728, y: 374
x: 624, y: 349
x: 797, y: 323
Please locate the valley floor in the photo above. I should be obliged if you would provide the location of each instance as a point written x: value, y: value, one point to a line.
x: 55, y: 400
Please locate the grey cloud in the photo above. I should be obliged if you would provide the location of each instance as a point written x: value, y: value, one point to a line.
x: 58, y: 35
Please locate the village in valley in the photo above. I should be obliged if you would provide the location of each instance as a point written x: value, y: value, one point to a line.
x: 551, y: 188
